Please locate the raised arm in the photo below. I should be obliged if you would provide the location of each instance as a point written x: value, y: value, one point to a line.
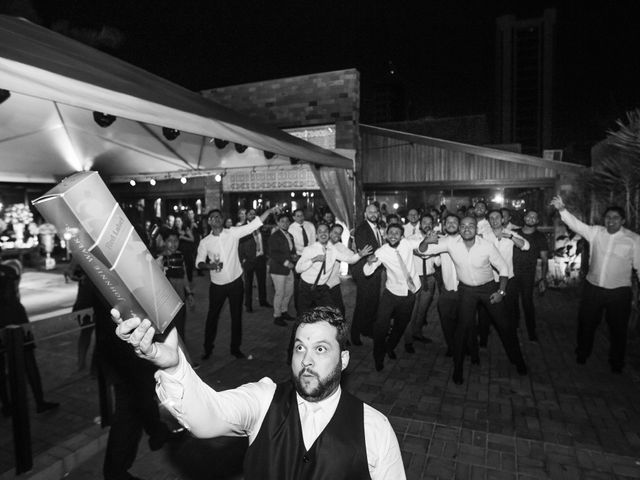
x: 586, y: 231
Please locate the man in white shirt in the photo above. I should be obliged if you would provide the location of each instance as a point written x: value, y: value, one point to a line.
x: 412, y: 227
x: 398, y: 296
x: 505, y: 241
x: 218, y: 253
x: 480, y: 212
x: 315, y: 266
x: 475, y: 259
x: 335, y: 237
x: 304, y: 428
x: 448, y: 295
x: 613, y: 252
x: 304, y: 234
x: 425, y: 266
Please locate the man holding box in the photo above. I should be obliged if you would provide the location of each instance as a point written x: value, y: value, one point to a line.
x: 220, y: 247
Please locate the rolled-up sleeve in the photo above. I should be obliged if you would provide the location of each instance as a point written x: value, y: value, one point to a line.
x: 497, y: 261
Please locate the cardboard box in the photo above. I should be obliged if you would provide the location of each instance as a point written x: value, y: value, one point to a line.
x: 108, y: 249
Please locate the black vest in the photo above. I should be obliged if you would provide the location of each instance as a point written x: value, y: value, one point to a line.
x: 278, y: 451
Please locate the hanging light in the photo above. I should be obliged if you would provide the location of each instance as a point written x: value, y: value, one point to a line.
x: 269, y: 155
x: 152, y: 182
x: 220, y: 143
x: 183, y: 180
x: 4, y: 94
x: 293, y: 195
x: 103, y: 119
x: 132, y: 182
x: 218, y: 178
x: 240, y: 148
x: 170, y: 133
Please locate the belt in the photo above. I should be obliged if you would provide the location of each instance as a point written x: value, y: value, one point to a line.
x: 477, y: 286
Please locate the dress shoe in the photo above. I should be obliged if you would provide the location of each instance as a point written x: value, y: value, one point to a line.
x: 408, y: 347
x: 422, y: 338
x: 616, y: 369
x: 391, y: 354
x: 286, y: 316
x: 475, y: 359
x: 266, y: 304
x: 279, y: 321
x: 457, y: 378
x: 237, y: 353
x: 46, y: 406
x: 581, y: 360
x: 482, y: 343
x: 249, y: 309
x: 449, y: 353
x: 379, y: 365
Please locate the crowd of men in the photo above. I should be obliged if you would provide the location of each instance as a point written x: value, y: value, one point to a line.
x: 478, y: 264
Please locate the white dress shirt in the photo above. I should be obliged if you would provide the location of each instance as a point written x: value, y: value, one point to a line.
x: 295, y: 229
x: 388, y: 256
x: 410, y: 230
x: 484, y: 227
x: 334, y: 278
x: 429, y: 261
x: 448, y: 269
x: 226, y: 246
x: 474, y: 266
x: 240, y: 412
x: 309, y: 270
x: 505, y: 246
x: 611, y: 257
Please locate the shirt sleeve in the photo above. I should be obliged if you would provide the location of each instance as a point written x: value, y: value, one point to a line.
x: 246, y: 229
x: 201, y: 256
x: 369, y: 268
x: 383, y: 451
x: 343, y: 254
x: 636, y: 255
x: 207, y: 413
x: 526, y: 245
x: 586, y: 231
x: 304, y: 263
x: 497, y: 261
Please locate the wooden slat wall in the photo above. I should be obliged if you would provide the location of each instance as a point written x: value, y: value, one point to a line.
x: 390, y: 160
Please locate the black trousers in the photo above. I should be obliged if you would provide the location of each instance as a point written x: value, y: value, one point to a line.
x: 218, y: 294
x: 470, y: 298
x: 615, y: 304
x: 524, y: 284
x: 448, y: 311
x: 257, y: 267
x: 391, y: 306
x: 510, y: 302
x: 336, y: 295
x: 310, y: 297
x: 367, y: 300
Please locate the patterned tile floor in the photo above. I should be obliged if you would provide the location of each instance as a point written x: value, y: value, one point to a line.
x: 561, y: 421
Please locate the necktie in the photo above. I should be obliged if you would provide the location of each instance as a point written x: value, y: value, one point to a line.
x: 322, y: 269
x: 305, y: 237
x: 378, y: 236
x: 256, y: 236
x: 424, y: 267
x: 405, y: 272
x: 289, y: 239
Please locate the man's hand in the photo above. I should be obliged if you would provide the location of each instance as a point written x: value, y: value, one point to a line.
x: 558, y: 203
x: 432, y: 237
x: 318, y: 258
x: 366, y: 250
x: 372, y: 259
x: 139, y: 333
x: 496, y: 297
x: 508, y: 235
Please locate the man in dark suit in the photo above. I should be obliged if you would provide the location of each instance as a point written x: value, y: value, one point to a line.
x: 282, y: 260
x: 368, y: 288
x: 253, y: 259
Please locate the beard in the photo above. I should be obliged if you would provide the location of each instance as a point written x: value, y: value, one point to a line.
x: 321, y: 388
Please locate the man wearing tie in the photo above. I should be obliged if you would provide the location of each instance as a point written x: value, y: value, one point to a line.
x: 412, y: 227
x: 368, y: 287
x: 304, y: 234
x: 398, y: 297
x: 315, y: 266
x: 254, y: 261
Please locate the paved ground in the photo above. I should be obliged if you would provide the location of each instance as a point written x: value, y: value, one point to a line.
x: 561, y: 421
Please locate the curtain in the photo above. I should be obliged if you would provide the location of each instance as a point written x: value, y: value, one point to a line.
x: 337, y: 187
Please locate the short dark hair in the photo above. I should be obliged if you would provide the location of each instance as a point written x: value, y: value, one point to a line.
x: 396, y: 225
x: 167, y: 232
x: 283, y: 215
x: 298, y: 210
x: 452, y: 215
x: 425, y: 215
x: 212, y: 211
x: 617, y: 209
x: 494, y: 210
x: 332, y: 316
x: 337, y: 225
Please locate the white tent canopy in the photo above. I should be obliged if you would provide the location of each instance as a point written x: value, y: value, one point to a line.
x: 47, y: 128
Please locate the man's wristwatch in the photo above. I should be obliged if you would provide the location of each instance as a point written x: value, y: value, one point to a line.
x: 502, y: 292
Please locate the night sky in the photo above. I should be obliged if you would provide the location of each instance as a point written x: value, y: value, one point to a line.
x: 442, y: 51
